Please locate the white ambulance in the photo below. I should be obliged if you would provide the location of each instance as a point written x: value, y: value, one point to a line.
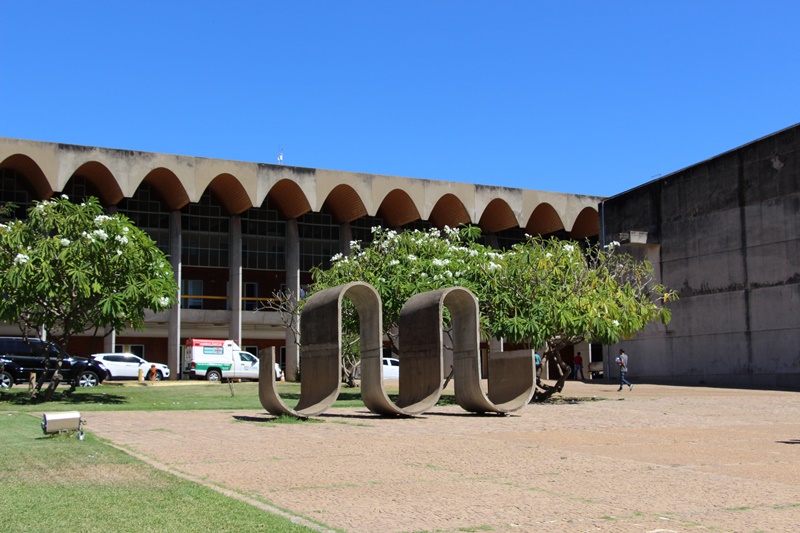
x: 215, y: 359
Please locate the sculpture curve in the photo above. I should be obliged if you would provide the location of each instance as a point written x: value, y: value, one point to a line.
x: 511, y: 374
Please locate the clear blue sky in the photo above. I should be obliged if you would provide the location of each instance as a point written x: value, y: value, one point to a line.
x: 591, y: 97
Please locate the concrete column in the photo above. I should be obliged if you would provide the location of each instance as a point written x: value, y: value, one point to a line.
x: 109, y: 340
x: 345, y: 236
x: 292, y: 286
x: 174, y: 329
x: 235, y: 283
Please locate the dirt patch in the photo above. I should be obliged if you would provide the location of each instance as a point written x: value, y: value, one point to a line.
x: 655, y: 458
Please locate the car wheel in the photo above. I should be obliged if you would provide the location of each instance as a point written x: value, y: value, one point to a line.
x: 159, y: 375
x: 88, y: 378
x: 213, y: 375
x: 6, y: 381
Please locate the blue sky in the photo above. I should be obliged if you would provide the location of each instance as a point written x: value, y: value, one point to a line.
x: 571, y: 96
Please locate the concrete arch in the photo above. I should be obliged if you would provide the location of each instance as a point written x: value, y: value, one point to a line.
x: 231, y: 194
x: 344, y: 204
x: 289, y: 199
x: 217, y: 175
x: 398, y: 209
x: 449, y: 211
x: 587, y: 224
x: 497, y: 216
x: 399, y: 200
x: 32, y: 172
x: 168, y: 186
x: 544, y: 221
x: 103, y: 181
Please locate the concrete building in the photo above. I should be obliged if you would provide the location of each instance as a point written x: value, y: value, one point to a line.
x: 726, y: 234
x: 236, y: 232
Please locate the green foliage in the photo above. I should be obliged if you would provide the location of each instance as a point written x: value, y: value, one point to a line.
x: 400, y: 265
x: 70, y: 268
x: 543, y: 292
x: 559, y: 293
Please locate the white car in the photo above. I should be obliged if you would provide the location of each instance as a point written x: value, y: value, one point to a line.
x: 391, y: 368
x: 127, y: 366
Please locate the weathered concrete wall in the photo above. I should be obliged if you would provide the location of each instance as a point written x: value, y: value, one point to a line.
x: 727, y: 235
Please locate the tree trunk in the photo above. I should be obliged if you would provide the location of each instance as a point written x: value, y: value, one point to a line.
x: 564, y: 371
x: 51, y: 388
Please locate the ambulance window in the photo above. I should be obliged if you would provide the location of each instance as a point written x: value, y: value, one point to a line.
x: 244, y: 356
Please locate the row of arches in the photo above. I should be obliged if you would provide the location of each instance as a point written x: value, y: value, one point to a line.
x: 294, y: 191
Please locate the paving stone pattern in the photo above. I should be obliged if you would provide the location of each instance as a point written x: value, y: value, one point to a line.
x: 656, y: 458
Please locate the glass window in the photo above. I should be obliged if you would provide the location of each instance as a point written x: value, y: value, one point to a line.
x: 136, y: 349
x: 15, y: 189
x: 319, y: 240
x: 250, y: 296
x: 263, y: 240
x: 146, y: 211
x: 244, y: 356
x: 362, y: 229
x: 509, y: 237
x: 205, y: 233
x: 191, y: 287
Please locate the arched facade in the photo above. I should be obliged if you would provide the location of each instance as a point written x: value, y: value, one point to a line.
x: 236, y: 231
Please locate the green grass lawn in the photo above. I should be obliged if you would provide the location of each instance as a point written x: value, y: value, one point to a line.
x: 172, y: 396
x: 165, y: 396
x: 52, y: 483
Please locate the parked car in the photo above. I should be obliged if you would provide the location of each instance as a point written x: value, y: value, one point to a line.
x: 6, y: 379
x: 20, y: 358
x: 127, y: 366
x: 391, y: 368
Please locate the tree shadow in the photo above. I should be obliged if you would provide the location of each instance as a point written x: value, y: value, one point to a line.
x: 89, y: 397
x: 793, y: 441
x: 22, y: 397
x: 272, y: 419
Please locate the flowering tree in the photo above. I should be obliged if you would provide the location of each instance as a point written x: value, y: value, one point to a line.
x: 554, y: 294
x: 69, y: 268
x: 546, y: 294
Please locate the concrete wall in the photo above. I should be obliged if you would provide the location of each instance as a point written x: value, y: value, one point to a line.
x: 725, y: 233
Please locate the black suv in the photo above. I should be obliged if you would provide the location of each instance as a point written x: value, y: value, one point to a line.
x: 19, y: 358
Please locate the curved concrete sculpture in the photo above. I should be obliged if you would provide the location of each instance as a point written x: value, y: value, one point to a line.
x: 511, y: 379
x: 511, y: 374
x: 321, y: 350
x: 270, y: 399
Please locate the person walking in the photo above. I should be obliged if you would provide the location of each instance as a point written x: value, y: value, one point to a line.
x: 577, y: 363
x: 622, y: 362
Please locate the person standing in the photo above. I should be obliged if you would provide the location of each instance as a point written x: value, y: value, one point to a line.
x: 577, y: 363
x: 622, y: 361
